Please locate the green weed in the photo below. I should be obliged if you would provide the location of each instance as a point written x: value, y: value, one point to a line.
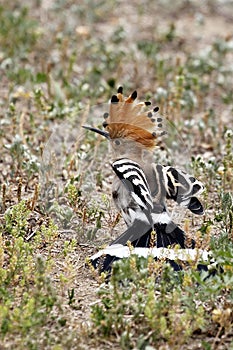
x: 18, y: 33
x: 147, y: 303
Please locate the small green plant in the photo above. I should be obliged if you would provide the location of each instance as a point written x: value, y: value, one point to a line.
x: 228, y: 161
x: 16, y: 223
x: 18, y: 32
x: 23, y: 159
x: 74, y: 192
x: 227, y: 212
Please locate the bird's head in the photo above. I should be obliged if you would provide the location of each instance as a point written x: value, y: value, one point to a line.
x: 130, y: 125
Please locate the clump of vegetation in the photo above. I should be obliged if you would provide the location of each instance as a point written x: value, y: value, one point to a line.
x: 28, y: 297
x: 146, y: 303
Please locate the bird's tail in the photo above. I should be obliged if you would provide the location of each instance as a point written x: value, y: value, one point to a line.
x: 162, y: 236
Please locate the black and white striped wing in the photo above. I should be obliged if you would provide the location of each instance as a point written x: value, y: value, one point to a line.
x: 134, y: 179
x: 183, y: 188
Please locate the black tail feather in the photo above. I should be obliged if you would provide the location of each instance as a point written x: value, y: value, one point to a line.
x: 195, y: 206
x: 133, y: 233
x: 166, y: 235
x: 104, y: 263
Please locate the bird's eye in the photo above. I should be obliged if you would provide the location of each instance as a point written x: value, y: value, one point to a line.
x: 117, y: 142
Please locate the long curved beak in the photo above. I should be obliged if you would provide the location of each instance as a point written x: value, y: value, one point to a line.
x: 101, y: 132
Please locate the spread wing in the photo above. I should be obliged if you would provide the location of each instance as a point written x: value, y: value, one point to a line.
x: 182, y: 188
x: 134, y: 179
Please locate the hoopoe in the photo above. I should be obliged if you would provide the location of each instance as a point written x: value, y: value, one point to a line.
x: 141, y: 187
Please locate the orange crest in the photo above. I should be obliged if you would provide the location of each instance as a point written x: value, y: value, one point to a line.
x: 128, y: 119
